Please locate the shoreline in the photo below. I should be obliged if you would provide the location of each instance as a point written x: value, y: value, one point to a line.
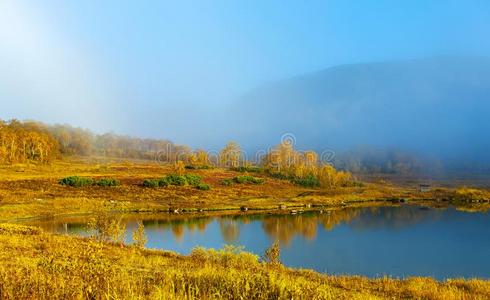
x: 237, y: 211
x: 69, y: 265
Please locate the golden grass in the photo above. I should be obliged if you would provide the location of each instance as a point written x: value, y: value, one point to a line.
x: 32, y: 190
x: 36, y: 265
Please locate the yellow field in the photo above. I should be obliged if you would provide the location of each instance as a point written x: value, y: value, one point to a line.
x: 35, y: 264
x: 30, y: 190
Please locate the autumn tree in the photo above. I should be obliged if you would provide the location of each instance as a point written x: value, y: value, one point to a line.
x: 329, y: 177
x: 286, y: 161
x: 24, y: 141
x: 303, y: 167
x: 230, y: 155
x: 179, y: 167
x: 202, y: 158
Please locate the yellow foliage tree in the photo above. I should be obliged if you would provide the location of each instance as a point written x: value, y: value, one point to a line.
x: 202, y: 158
x: 329, y: 177
x: 179, y: 167
x: 230, y: 155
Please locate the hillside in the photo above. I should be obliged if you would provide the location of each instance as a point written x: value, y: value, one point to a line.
x: 434, y: 106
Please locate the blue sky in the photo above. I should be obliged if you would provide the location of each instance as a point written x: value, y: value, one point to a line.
x: 149, y: 67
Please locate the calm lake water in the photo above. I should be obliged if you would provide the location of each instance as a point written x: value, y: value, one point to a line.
x: 399, y: 241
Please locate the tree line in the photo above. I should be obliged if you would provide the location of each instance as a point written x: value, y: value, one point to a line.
x: 78, y: 141
x: 23, y: 141
x: 30, y: 140
x: 35, y: 141
x: 283, y: 161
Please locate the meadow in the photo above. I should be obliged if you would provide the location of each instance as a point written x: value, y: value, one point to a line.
x: 33, y: 190
x: 39, y: 265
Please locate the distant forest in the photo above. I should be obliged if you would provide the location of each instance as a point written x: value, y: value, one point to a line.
x: 22, y: 141
x: 30, y: 140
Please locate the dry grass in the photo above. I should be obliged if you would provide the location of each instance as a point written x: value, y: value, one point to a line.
x: 38, y: 265
x: 35, y: 264
x: 32, y: 190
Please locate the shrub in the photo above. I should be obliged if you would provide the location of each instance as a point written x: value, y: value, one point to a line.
x: 272, y: 254
x: 308, y: 181
x: 163, y: 182
x: 174, y: 179
x: 179, y: 167
x: 248, y: 179
x: 227, y: 182
x: 278, y: 176
x: 203, y: 187
x: 76, y: 181
x: 203, y: 167
x: 469, y: 194
x: 250, y: 169
x: 153, y: 183
x: 192, y: 179
x: 228, y: 256
x: 107, y: 228
x: 139, y: 236
x: 107, y: 182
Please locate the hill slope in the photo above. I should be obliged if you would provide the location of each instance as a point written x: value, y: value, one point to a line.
x: 436, y: 106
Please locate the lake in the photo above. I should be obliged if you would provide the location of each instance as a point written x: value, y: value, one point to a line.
x: 399, y: 240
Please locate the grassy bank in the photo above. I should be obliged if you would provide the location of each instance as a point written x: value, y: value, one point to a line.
x: 35, y: 264
x: 32, y: 190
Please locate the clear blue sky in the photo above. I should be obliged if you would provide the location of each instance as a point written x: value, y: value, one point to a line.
x: 99, y: 64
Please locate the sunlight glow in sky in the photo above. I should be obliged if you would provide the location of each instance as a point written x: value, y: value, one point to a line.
x: 99, y: 64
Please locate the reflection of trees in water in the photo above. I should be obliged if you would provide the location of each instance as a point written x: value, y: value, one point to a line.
x: 178, y: 231
x: 74, y: 226
x: 285, y: 228
x: 337, y: 217
x: 394, y: 217
x: 179, y: 226
x: 277, y: 227
x: 230, y: 229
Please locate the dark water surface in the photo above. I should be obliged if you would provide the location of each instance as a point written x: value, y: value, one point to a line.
x: 399, y: 241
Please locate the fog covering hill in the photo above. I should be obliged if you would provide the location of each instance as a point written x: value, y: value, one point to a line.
x: 434, y: 107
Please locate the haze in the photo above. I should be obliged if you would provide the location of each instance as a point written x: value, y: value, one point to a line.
x: 180, y: 69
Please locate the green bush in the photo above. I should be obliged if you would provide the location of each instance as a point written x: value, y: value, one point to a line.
x: 279, y: 176
x: 203, y: 187
x: 76, y: 181
x: 204, y: 167
x: 174, y: 179
x: 248, y: 169
x: 227, y: 182
x: 106, y: 182
x: 153, y: 183
x: 192, y: 179
x: 248, y: 179
x: 163, y: 182
x: 308, y: 181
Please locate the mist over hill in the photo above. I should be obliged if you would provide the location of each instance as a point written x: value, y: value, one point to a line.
x: 436, y: 107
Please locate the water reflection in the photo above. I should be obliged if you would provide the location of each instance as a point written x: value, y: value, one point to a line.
x: 230, y: 230
x: 392, y: 240
x: 281, y: 227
